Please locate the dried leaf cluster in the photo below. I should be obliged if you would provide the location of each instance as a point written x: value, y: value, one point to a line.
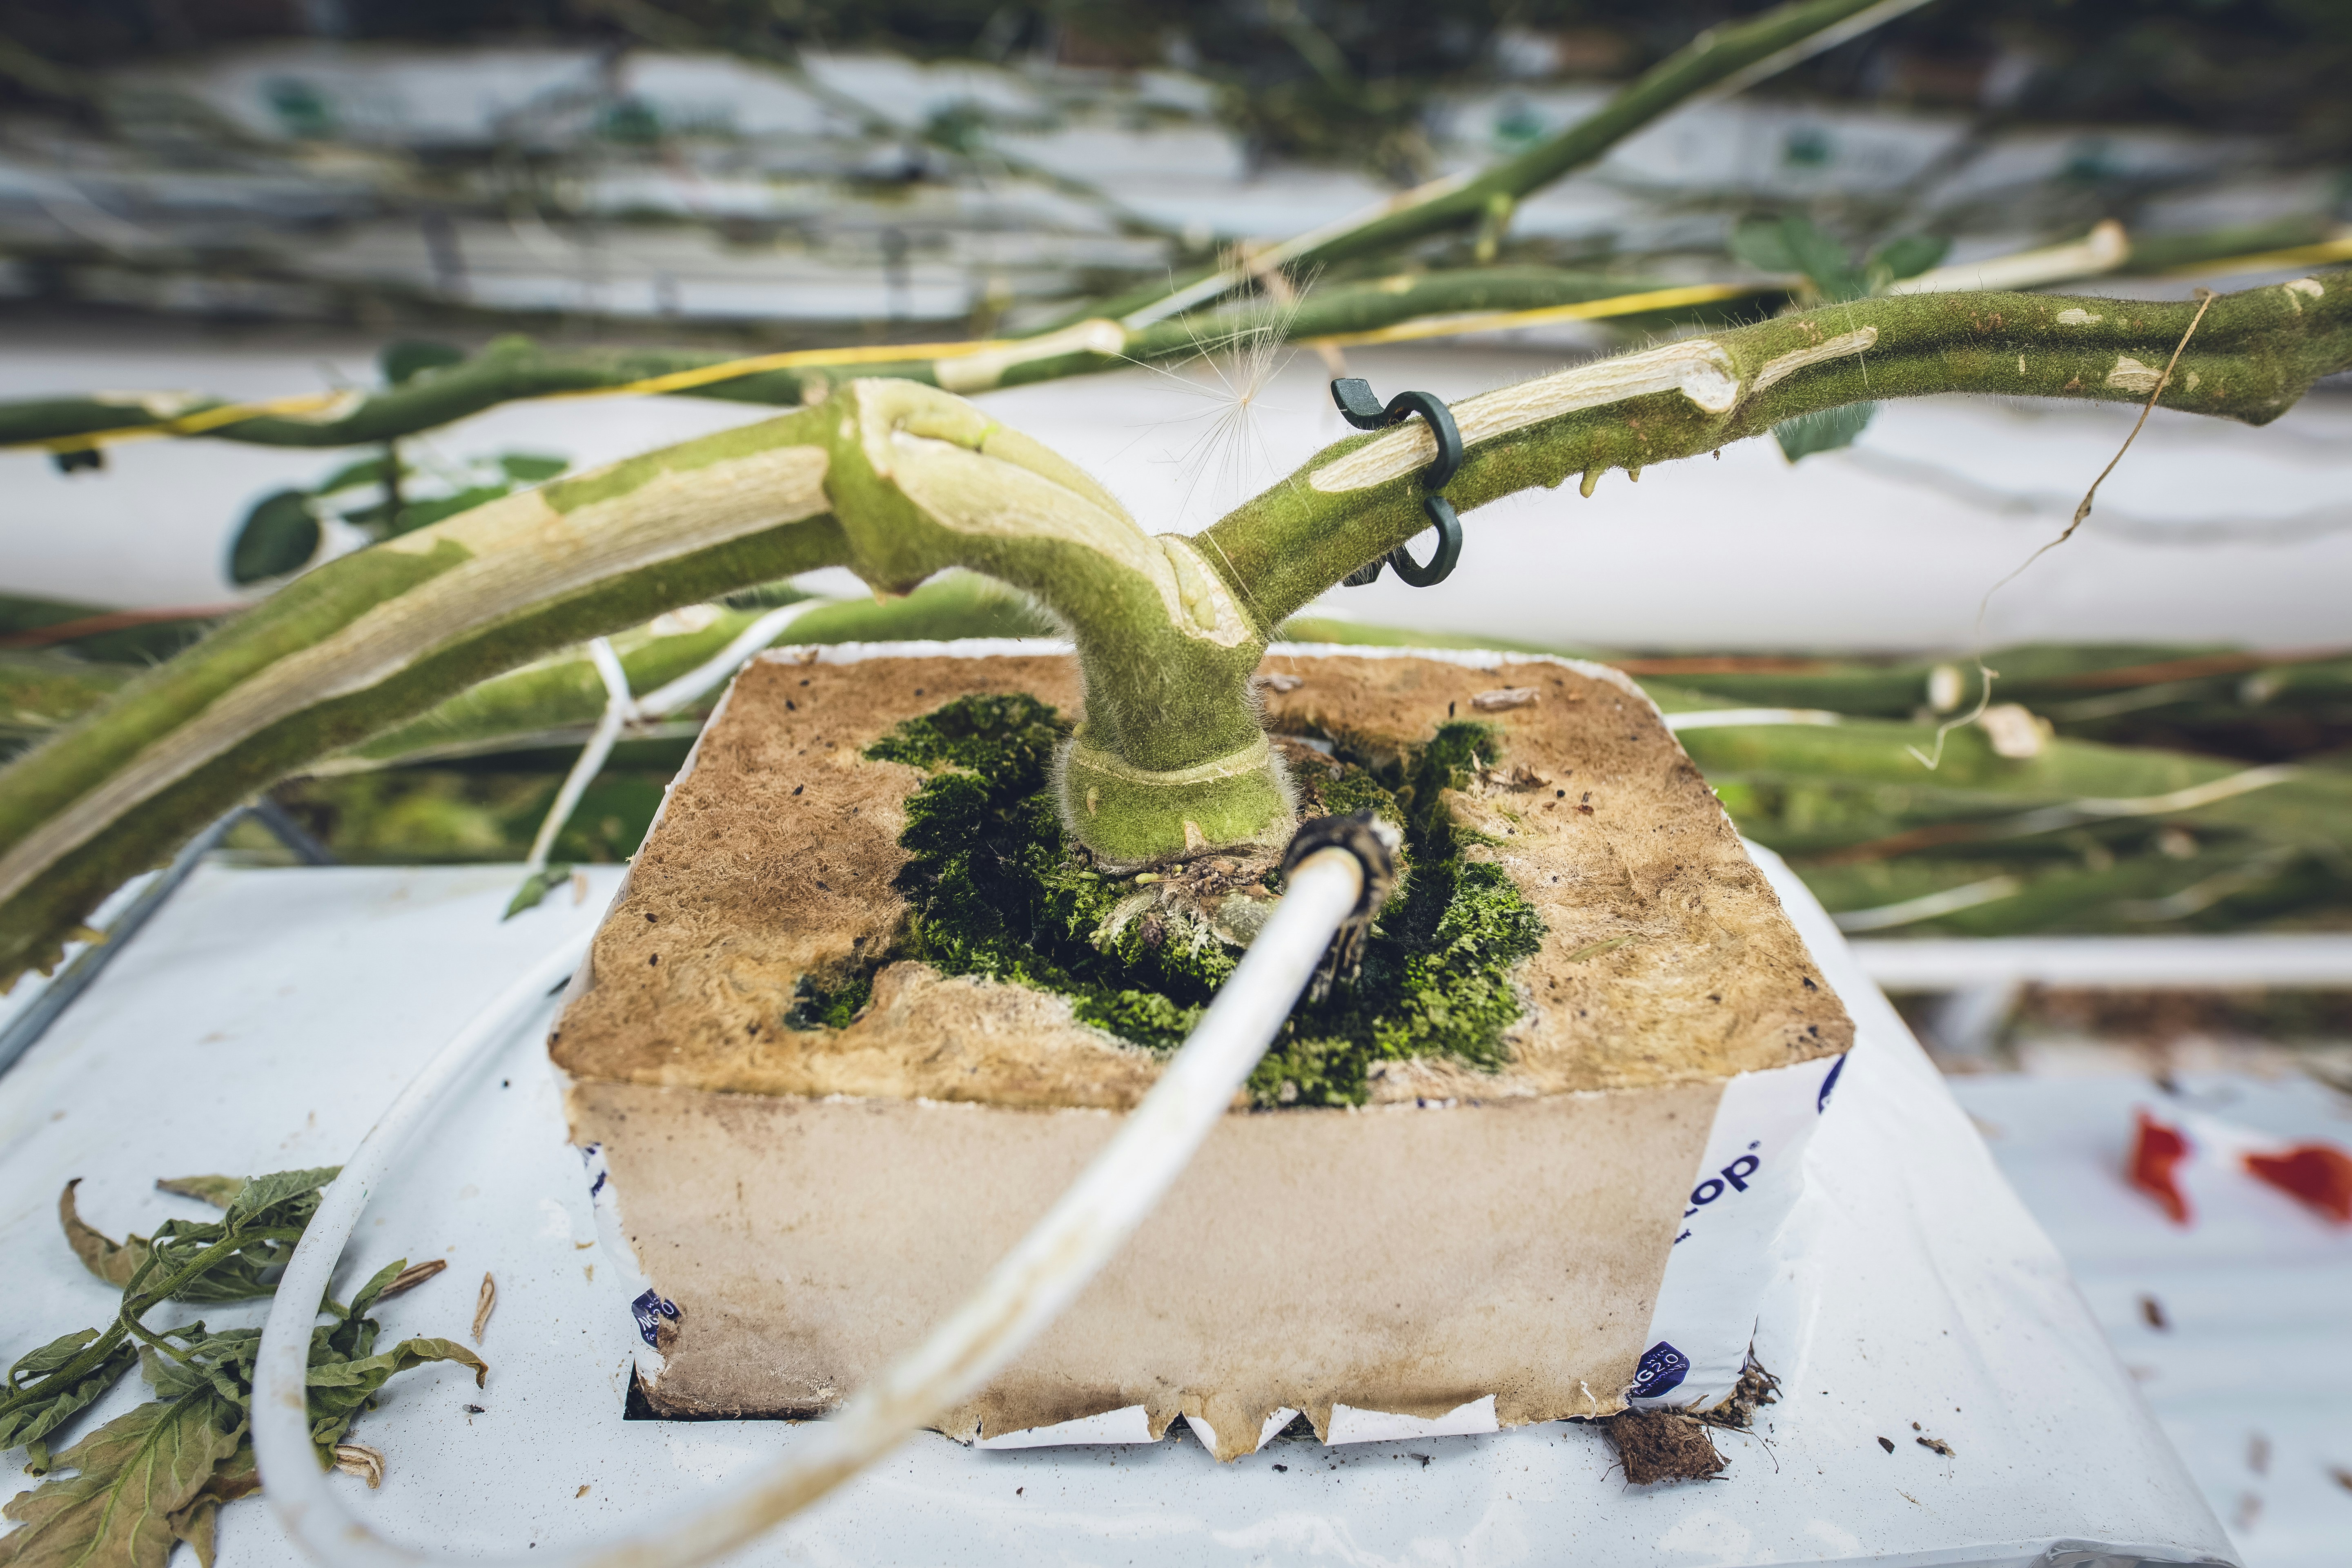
x: 127, y: 1493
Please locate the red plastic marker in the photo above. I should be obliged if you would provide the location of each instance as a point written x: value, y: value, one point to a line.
x: 2157, y: 1151
x: 2318, y: 1173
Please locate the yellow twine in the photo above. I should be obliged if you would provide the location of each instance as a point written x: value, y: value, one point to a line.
x: 1444, y: 326
x: 2327, y: 250
x: 1504, y: 321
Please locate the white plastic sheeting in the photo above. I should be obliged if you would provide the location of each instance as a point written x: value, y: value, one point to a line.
x: 2236, y: 1326
x: 265, y: 1017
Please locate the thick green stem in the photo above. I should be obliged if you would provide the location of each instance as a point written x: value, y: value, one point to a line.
x: 900, y: 481
x: 516, y: 368
x: 1708, y: 61
x: 2253, y: 356
x: 896, y: 481
x: 1718, y: 58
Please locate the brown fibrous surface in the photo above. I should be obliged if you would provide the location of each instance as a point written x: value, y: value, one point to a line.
x: 1666, y: 958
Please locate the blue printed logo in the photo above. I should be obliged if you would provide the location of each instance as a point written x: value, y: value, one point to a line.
x: 650, y: 1311
x: 1661, y: 1371
x: 1734, y: 1174
x: 1829, y: 1083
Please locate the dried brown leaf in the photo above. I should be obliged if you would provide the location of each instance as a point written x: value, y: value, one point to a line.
x: 135, y: 1473
x: 114, y: 1262
x: 218, y: 1191
x: 410, y: 1278
x: 484, y: 1305
x: 195, y: 1523
x: 359, y: 1459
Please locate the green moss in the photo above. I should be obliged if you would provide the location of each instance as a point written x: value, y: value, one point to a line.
x: 996, y: 890
x: 817, y: 1007
x: 1436, y: 971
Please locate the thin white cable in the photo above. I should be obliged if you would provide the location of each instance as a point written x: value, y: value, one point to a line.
x: 621, y: 709
x: 615, y: 677
x: 584, y: 769
x: 1024, y: 1293
x: 725, y: 662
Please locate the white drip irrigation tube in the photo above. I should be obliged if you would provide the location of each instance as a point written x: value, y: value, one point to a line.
x: 1022, y: 1294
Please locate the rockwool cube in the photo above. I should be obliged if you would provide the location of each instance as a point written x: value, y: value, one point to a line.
x: 862, y: 1010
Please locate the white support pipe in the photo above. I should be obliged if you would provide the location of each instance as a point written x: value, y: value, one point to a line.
x: 2317, y: 960
x: 1022, y: 1294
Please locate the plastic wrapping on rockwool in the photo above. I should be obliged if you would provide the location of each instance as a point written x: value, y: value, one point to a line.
x: 1746, y: 1184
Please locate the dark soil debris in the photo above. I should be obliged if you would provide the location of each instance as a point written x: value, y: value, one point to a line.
x: 1755, y: 1389
x: 1662, y: 1445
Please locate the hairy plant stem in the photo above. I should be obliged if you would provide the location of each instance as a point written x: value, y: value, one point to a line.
x: 2254, y: 355
x: 900, y: 481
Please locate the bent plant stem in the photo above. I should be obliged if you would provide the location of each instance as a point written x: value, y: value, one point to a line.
x: 2254, y: 355
x: 515, y: 368
x: 899, y: 481
x: 137, y: 1301
x: 895, y: 480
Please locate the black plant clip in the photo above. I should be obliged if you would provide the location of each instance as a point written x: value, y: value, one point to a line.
x: 1360, y: 408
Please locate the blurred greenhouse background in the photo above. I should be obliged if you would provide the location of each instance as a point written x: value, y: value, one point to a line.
x: 281, y: 279
x: 210, y: 202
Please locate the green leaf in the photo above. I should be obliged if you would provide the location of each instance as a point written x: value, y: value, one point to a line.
x: 114, y: 1262
x: 378, y: 1283
x: 405, y: 358
x: 351, y: 476
x: 218, y: 1191
x: 278, y: 536
x: 280, y: 1189
x: 50, y: 1356
x: 1760, y: 242
x: 1824, y: 430
x: 1794, y: 243
x: 240, y: 1275
x: 1823, y: 260
x: 259, y: 1228
x: 134, y: 1474
x: 46, y: 1408
x: 530, y: 468
x: 535, y: 888
x: 219, y: 1365
x: 159, y: 1474
x: 1907, y: 256
x: 340, y: 1390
